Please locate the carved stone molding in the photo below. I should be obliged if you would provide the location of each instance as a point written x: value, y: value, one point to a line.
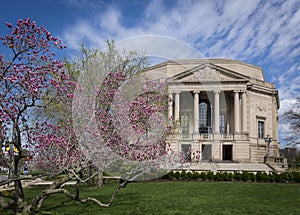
x: 261, y: 107
x: 207, y: 74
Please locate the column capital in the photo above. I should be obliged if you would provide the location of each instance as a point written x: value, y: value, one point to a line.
x: 196, y: 91
x: 217, y: 91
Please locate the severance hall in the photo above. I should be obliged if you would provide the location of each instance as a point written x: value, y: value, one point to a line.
x: 225, y: 114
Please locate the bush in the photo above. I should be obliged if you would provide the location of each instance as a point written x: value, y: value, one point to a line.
x: 189, y: 175
x: 284, y: 177
x: 296, y: 177
x: 218, y: 177
x: 183, y: 175
x: 245, y: 176
x: 203, y: 176
x: 177, y: 175
x: 237, y: 176
x: 196, y: 175
x: 210, y: 176
x: 225, y: 176
x: 272, y: 177
x: 166, y: 176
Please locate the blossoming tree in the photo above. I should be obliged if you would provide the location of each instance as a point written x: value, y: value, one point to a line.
x: 29, y: 72
x: 118, y: 121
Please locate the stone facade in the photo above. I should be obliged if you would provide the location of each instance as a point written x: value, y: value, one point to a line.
x: 222, y: 109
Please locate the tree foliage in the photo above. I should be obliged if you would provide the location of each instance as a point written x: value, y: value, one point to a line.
x: 37, y: 117
x: 292, y: 116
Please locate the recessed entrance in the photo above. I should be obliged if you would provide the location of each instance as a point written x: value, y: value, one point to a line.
x: 206, y: 152
x: 227, y: 152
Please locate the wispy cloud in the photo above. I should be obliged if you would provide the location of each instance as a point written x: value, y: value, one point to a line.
x: 265, y: 33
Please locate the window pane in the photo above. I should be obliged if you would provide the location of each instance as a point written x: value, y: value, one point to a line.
x: 202, y: 114
x: 261, y: 129
x: 222, y: 123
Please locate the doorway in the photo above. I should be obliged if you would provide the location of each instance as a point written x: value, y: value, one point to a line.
x: 227, y: 152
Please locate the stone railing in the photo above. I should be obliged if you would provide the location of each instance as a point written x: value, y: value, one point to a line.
x: 210, y: 136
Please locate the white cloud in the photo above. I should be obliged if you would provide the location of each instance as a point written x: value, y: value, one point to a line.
x: 236, y: 29
x: 264, y: 32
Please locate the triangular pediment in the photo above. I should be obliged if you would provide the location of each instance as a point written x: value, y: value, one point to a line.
x: 206, y: 73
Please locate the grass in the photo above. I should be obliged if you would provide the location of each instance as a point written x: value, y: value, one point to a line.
x: 183, y: 198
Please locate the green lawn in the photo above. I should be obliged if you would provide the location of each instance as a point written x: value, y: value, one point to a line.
x: 184, y: 198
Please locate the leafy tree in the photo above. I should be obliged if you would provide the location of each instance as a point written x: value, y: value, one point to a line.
x: 118, y: 133
x: 28, y: 72
x: 292, y: 117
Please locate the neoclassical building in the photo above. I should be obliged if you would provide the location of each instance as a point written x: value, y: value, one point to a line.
x: 223, y: 111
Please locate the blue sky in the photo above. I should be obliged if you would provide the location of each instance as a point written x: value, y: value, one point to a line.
x: 263, y: 33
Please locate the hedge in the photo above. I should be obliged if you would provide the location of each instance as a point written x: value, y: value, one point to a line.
x: 285, y: 177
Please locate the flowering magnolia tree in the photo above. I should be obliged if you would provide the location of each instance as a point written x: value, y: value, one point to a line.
x: 29, y: 73
x: 118, y: 121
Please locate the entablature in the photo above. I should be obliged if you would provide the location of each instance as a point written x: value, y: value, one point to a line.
x: 206, y: 87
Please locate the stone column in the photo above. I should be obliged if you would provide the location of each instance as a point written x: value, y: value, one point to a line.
x: 236, y: 112
x: 196, y: 112
x: 177, y: 106
x: 244, y: 112
x: 170, y: 106
x: 217, y: 112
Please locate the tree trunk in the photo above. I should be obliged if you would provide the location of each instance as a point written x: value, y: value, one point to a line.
x: 99, y: 182
x: 19, y: 197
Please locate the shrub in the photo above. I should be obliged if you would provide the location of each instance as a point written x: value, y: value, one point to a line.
x: 272, y: 177
x: 177, y: 175
x: 166, y: 176
x: 265, y: 177
x: 230, y: 176
x: 284, y: 177
x: 251, y: 176
x: 296, y: 177
x: 245, y: 176
x: 189, y: 175
x: 183, y: 175
x: 218, y: 177
x: 203, y: 176
x: 237, y: 176
x: 171, y: 175
x: 226, y: 176
x: 196, y: 175
x: 210, y: 176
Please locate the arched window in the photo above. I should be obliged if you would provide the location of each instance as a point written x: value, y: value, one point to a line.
x: 204, y: 117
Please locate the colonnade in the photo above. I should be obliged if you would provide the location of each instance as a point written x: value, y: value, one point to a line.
x: 238, y: 106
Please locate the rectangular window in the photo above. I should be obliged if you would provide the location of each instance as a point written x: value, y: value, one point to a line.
x: 184, y: 123
x: 261, y: 129
x: 222, y: 123
x: 186, y: 148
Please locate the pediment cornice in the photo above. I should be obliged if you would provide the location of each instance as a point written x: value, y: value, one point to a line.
x: 208, y: 72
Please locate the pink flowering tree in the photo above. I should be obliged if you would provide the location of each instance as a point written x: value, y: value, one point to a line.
x: 117, y: 125
x: 29, y: 73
